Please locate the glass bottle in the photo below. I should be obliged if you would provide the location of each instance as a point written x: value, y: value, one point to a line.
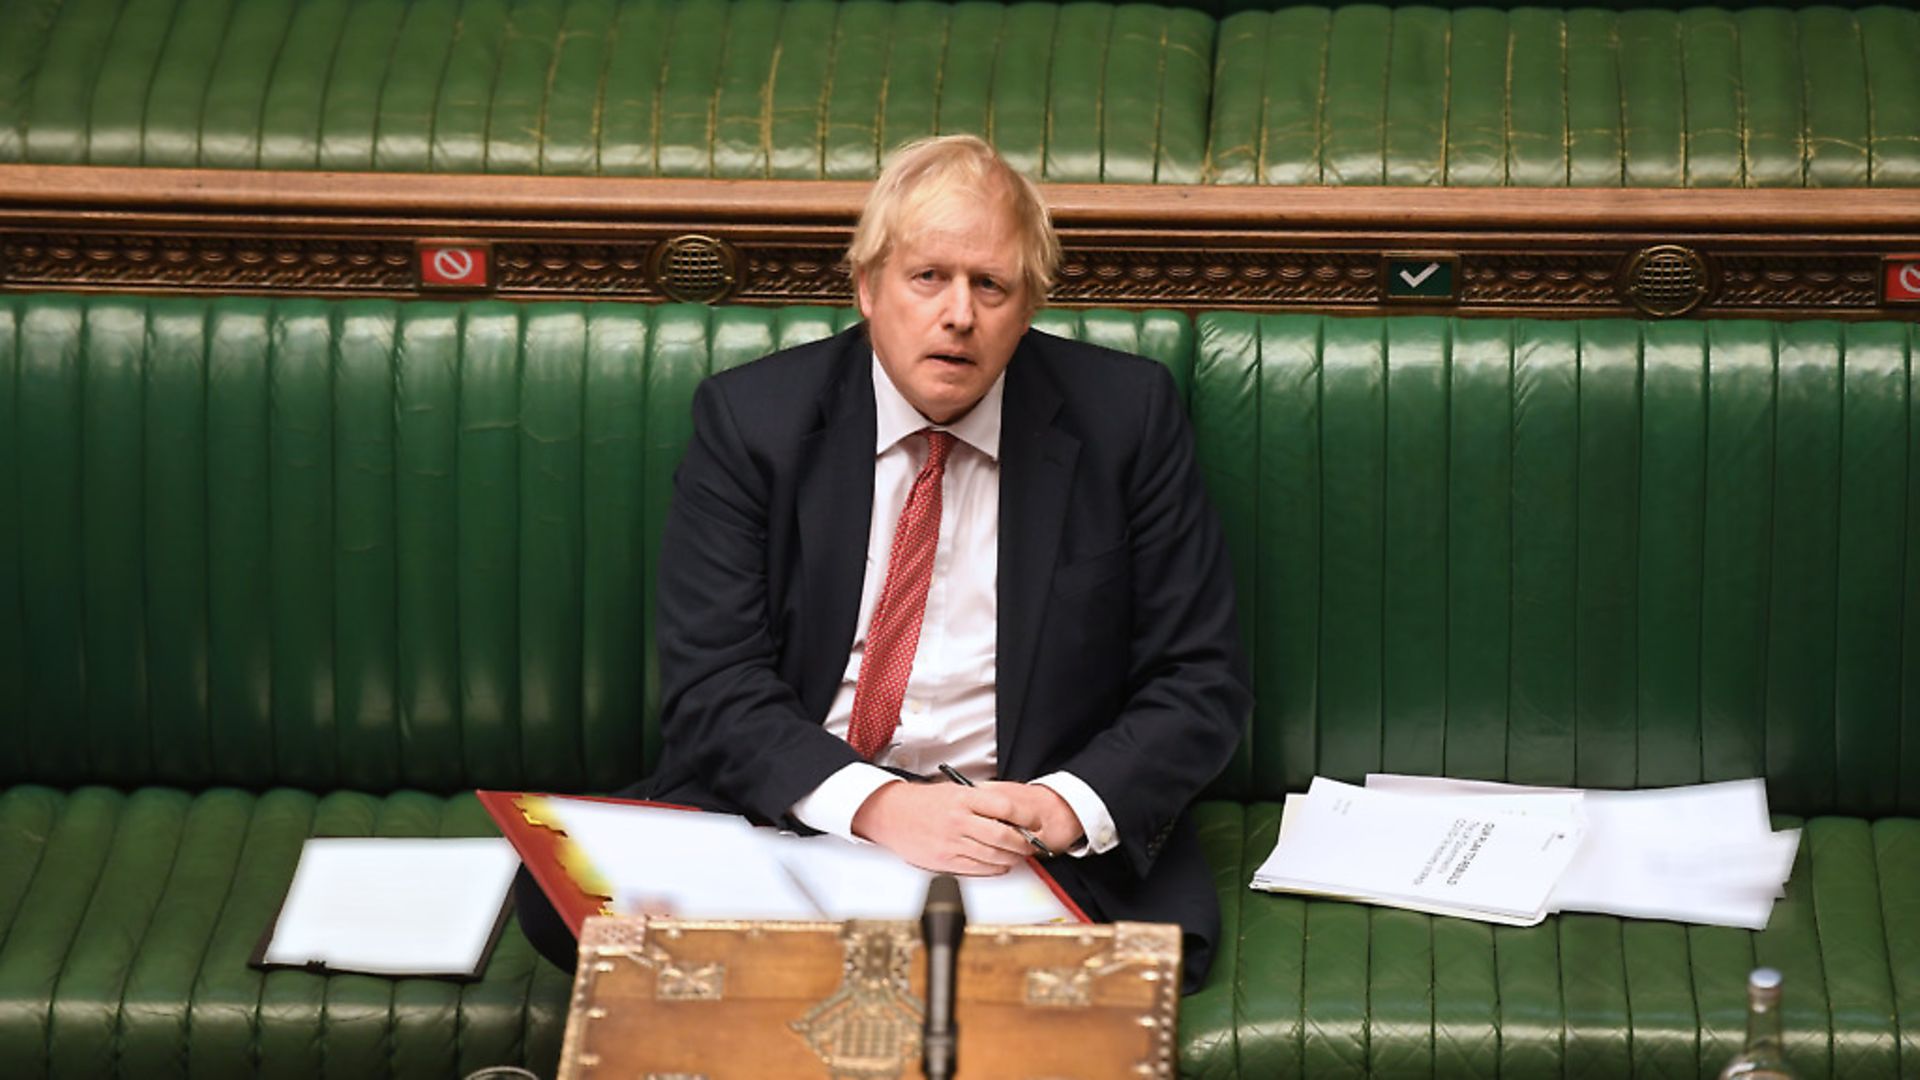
x: 1765, y: 1055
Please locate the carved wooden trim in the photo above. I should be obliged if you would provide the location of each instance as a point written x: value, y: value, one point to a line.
x: 1514, y: 251
x: 205, y: 262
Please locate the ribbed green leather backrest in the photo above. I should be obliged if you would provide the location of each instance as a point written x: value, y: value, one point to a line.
x: 806, y: 89
x: 1605, y: 553
x: 385, y: 545
x: 1547, y: 98
x: 1166, y: 336
x: 1235, y: 6
x: 354, y: 544
x: 1229, y: 7
x: 821, y: 89
x: 357, y: 544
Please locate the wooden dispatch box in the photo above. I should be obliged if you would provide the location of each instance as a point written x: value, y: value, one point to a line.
x: 672, y: 999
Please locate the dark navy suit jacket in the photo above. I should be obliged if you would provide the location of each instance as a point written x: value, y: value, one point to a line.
x: 1118, y: 655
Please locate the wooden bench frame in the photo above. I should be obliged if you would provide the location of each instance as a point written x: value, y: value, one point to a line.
x: 1569, y: 252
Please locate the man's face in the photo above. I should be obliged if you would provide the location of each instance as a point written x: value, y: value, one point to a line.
x: 945, y: 310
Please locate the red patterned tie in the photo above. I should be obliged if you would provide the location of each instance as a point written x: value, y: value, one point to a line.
x: 894, y: 631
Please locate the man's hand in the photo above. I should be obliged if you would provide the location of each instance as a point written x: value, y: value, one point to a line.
x: 1040, y: 810
x: 945, y: 827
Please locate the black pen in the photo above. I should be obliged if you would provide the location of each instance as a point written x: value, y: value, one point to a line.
x: 1040, y: 846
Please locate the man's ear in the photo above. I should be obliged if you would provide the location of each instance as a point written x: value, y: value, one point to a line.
x: 861, y: 299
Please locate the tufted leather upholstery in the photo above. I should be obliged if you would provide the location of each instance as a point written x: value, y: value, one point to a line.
x: 271, y: 569
x: 355, y: 545
x: 126, y: 920
x: 1230, y: 7
x: 1601, y: 553
x: 807, y: 89
x: 345, y: 545
x: 820, y: 89
x: 1316, y: 988
x: 354, y: 558
x: 1546, y: 98
x: 1598, y: 553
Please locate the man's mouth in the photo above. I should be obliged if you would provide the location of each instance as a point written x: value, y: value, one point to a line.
x: 949, y: 358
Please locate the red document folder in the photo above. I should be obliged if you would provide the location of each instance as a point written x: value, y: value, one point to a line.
x: 539, y: 848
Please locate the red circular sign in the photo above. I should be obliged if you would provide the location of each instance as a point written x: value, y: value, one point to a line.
x: 448, y: 266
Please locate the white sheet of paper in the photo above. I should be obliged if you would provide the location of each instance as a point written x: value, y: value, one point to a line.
x: 1726, y: 807
x: 1699, y: 854
x: 1407, y: 784
x: 1761, y: 862
x: 684, y: 863
x: 719, y: 866
x: 1451, y: 856
x: 1738, y: 806
x: 393, y: 906
x: 861, y: 881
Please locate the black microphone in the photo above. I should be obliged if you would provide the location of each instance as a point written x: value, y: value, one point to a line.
x: 943, y: 922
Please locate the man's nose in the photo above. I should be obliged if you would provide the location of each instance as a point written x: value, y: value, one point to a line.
x: 959, y: 306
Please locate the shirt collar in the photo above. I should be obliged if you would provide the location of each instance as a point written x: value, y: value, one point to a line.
x: 895, y: 418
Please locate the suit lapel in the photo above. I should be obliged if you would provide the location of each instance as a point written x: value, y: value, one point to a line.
x: 835, y: 504
x: 1036, y: 475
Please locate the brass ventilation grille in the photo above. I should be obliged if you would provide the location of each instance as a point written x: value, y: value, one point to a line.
x: 1666, y: 280
x: 696, y: 269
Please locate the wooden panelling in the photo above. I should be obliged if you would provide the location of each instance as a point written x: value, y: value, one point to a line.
x: 1502, y: 251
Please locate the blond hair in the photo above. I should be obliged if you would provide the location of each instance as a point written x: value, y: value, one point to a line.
x: 927, y: 181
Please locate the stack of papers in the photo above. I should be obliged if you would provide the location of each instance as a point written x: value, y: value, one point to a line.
x: 1704, y: 853
x: 1494, y: 858
x: 655, y: 860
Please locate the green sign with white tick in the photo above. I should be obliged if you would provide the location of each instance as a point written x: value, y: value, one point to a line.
x: 1420, y: 277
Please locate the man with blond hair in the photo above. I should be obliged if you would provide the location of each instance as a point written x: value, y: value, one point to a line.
x: 943, y: 538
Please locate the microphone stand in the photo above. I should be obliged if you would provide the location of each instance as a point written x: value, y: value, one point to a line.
x: 943, y: 922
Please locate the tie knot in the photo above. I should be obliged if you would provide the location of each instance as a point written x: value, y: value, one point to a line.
x: 939, y: 444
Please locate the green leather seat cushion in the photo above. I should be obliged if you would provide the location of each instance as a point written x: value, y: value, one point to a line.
x: 1323, y: 988
x: 126, y: 921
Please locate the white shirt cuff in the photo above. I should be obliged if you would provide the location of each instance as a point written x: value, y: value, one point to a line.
x: 1095, y: 823
x: 831, y: 806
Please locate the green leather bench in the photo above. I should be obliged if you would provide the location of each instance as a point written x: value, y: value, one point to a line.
x: 272, y: 569
x: 1087, y: 92
x: 1604, y: 554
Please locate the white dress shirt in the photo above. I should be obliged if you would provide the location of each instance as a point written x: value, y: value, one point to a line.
x: 949, y: 712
